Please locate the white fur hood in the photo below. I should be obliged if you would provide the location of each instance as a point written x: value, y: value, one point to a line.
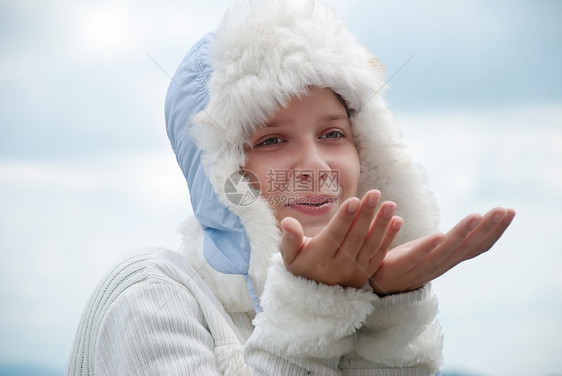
x: 263, y: 53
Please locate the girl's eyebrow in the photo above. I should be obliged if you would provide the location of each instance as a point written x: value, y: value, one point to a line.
x: 279, y: 123
x: 323, y: 118
x: 334, y: 117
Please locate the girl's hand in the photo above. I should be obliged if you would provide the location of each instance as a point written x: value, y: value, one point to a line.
x: 412, y: 265
x: 349, y: 250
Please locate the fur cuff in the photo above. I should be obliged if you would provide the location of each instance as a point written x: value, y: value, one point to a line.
x: 230, y: 360
x: 403, y: 332
x: 303, y: 317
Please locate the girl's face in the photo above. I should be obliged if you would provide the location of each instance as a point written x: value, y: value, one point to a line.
x: 305, y: 159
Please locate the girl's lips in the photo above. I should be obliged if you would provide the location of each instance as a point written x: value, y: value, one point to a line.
x: 315, y: 206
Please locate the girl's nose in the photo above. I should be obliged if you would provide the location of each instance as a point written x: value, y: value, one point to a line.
x: 310, y: 161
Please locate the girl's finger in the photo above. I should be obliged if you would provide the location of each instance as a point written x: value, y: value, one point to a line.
x: 493, y: 235
x: 392, y: 232
x: 480, y: 239
x: 378, y: 230
x: 479, y: 233
x: 333, y: 235
x: 447, y: 250
x: 291, y: 240
x: 357, y: 233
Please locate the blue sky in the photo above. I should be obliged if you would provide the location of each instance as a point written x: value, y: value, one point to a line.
x: 87, y: 175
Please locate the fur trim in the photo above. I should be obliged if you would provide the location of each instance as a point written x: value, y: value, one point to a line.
x: 301, y: 316
x: 403, y: 332
x: 230, y: 360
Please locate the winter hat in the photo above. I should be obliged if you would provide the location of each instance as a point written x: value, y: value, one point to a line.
x: 234, y: 79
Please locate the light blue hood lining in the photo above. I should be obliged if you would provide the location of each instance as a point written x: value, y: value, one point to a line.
x: 226, y: 245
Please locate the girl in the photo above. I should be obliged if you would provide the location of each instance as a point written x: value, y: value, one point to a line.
x: 314, y: 237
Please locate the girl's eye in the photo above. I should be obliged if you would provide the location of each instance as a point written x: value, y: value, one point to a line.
x: 333, y: 134
x: 271, y: 141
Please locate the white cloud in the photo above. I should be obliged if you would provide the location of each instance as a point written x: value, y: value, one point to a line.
x: 118, y: 31
x: 507, y: 152
x: 105, y: 30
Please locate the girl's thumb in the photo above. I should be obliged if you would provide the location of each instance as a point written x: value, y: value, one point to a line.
x: 291, y: 240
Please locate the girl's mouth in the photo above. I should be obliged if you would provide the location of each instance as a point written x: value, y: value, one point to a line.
x: 314, y: 205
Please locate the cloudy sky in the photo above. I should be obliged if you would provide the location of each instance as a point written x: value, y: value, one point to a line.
x: 87, y: 175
